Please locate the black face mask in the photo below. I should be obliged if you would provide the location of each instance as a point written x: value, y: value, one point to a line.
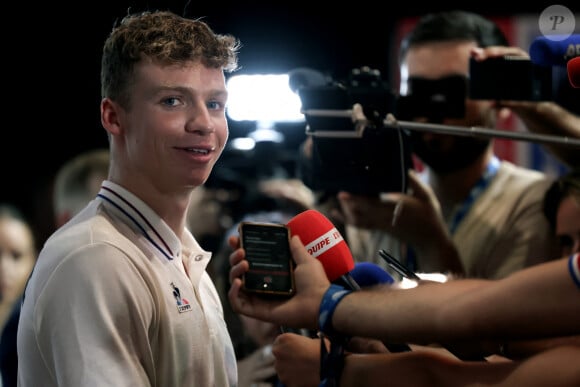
x: 463, y: 152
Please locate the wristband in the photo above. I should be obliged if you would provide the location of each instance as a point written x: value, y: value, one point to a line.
x: 330, y: 300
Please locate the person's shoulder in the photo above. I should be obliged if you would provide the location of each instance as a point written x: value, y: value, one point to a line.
x: 90, y: 230
x: 526, y: 178
x: 520, y: 172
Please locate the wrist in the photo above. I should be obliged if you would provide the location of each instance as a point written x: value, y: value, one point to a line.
x: 333, y: 295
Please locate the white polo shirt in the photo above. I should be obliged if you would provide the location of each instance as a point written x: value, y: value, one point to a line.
x: 109, y: 303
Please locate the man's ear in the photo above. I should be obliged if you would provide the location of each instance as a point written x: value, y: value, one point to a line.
x: 110, y: 116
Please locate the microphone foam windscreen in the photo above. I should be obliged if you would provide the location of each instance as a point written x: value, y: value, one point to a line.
x: 553, y: 50
x: 573, y: 68
x: 305, y: 77
x: 367, y: 274
x: 323, y: 241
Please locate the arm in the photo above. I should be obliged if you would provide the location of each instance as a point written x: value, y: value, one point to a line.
x: 467, y: 309
x: 552, y: 367
x: 433, y: 312
x: 548, y: 117
x: 297, y: 359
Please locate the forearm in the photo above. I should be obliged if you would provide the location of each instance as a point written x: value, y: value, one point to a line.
x: 553, y: 367
x: 551, y: 119
x: 466, y: 309
x: 394, y: 315
x: 525, y: 348
x: 428, y: 369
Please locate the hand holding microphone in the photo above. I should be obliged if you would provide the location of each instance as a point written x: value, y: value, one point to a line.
x: 299, y: 311
x: 325, y: 242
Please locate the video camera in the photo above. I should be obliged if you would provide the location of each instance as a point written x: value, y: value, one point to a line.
x: 377, y: 158
x: 370, y: 161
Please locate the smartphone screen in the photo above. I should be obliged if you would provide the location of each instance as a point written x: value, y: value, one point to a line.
x: 267, y: 247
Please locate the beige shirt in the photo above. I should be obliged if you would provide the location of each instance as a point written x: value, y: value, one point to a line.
x: 504, y: 230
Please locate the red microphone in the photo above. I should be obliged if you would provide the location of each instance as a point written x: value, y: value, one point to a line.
x: 323, y: 241
x: 573, y: 67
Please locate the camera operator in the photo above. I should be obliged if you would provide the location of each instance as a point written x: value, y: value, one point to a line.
x: 467, y: 212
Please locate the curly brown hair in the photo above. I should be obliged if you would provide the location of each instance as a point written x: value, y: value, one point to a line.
x: 165, y: 38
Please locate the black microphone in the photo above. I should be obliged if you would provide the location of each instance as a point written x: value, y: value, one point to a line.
x: 305, y: 77
x: 554, y: 50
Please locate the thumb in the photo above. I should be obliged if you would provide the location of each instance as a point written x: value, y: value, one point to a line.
x: 299, y: 252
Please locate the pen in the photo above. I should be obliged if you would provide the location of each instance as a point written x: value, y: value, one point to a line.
x: 397, y: 266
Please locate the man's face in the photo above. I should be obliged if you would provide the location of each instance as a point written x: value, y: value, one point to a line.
x: 175, y: 127
x: 446, y: 153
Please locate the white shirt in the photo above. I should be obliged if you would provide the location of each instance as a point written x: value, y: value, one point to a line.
x: 109, y: 303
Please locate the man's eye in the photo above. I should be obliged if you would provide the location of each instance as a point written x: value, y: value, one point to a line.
x: 171, y: 101
x: 215, y: 105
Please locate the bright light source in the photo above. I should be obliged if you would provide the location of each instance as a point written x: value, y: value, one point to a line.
x: 262, y: 97
x: 242, y: 143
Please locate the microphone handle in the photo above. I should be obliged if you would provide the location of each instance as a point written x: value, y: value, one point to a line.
x: 350, y: 282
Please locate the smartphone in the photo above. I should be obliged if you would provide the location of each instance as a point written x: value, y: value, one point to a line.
x: 267, y: 247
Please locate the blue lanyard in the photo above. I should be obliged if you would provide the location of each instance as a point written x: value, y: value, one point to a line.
x: 477, y: 189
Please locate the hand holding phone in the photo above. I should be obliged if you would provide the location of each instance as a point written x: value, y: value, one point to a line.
x: 267, y: 248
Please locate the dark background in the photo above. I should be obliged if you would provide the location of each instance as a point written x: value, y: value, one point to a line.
x: 51, y: 54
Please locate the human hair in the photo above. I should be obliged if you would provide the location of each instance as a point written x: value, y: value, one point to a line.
x: 453, y: 26
x: 564, y: 186
x: 10, y: 212
x: 164, y: 38
x: 77, y: 182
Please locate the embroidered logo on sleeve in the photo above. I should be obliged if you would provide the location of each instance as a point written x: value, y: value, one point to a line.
x: 182, y: 303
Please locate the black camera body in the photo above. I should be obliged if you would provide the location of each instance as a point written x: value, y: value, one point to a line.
x: 509, y: 78
x: 377, y: 159
x: 372, y: 161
